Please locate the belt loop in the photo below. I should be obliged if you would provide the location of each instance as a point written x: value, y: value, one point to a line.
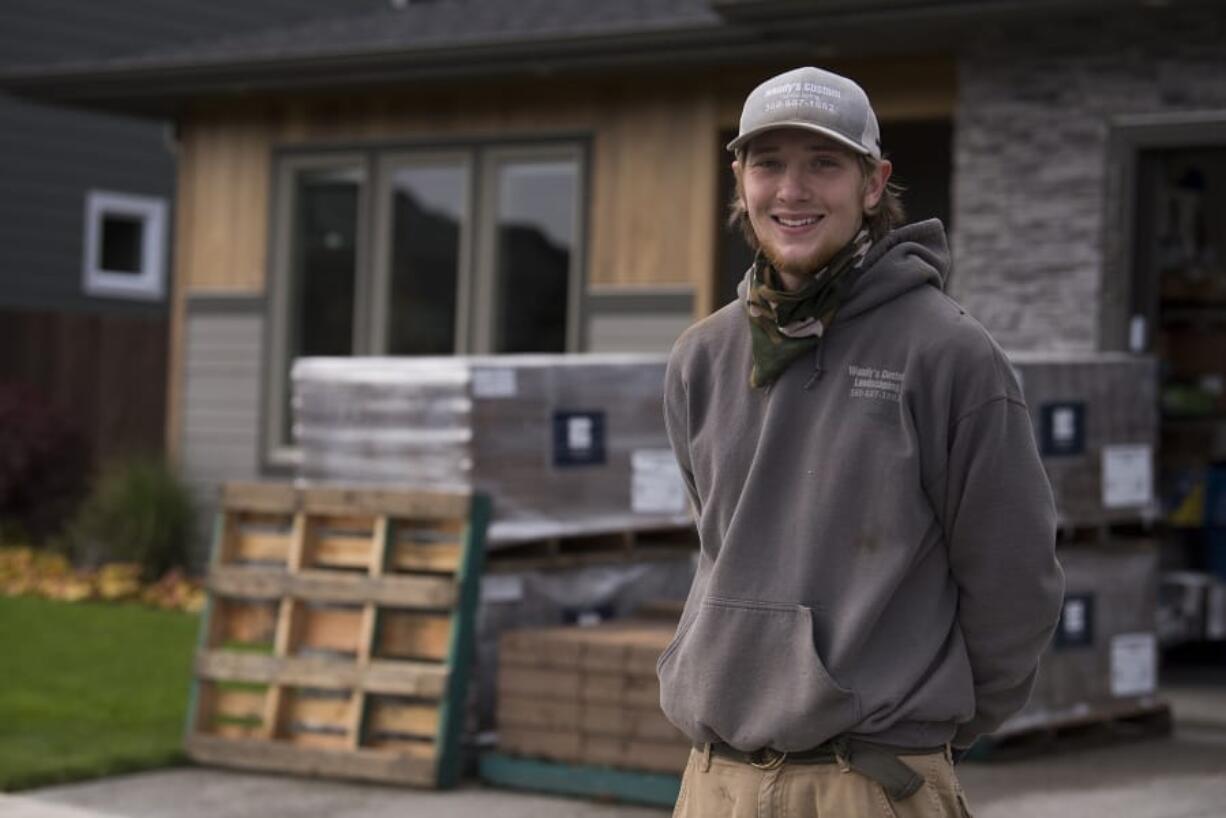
x: 705, y: 763
x: 949, y: 753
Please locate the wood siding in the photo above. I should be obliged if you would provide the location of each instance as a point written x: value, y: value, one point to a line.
x: 105, y: 373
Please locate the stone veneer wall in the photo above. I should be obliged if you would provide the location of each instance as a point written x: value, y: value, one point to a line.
x: 1030, y: 158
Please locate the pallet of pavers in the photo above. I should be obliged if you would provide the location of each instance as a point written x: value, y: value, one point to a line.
x: 1098, y: 679
x: 579, y: 713
x: 338, y: 633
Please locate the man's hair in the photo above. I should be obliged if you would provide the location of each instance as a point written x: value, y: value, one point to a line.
x: 883, y: 218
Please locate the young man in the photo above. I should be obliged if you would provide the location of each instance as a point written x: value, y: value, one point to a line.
x: 877, y: 576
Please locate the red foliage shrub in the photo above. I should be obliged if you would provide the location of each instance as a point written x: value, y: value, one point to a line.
x: 43, y: 463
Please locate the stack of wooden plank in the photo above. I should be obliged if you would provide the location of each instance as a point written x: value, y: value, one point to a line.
x: 339, y: 633
x: 588, y: 695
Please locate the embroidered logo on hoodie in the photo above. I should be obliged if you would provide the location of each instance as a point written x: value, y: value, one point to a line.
x: 872, y: 383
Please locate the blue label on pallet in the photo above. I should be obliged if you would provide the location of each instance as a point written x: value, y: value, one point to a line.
x: 1076, y: 628
x: 578, y: 438
x: 1063, y: 428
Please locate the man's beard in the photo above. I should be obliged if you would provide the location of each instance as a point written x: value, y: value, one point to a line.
x: 807, y: 266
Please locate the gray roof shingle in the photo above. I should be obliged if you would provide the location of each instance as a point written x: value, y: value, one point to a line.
x: 423, y: 26
x: 430, y: 39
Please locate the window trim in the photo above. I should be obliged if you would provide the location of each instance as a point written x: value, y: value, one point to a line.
x: 277, y: 381
x: 1127, y: 136
x: 372, y: 259
x: 386, y: 163
x: 150, y: 283
x: 484, y: 303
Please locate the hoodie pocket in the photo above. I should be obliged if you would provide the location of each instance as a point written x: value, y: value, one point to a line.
x: 748, y: 673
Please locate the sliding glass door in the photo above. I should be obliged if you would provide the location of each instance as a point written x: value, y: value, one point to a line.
x: 470, y: 250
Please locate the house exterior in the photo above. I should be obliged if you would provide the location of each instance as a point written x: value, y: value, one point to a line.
x: 469, y: 176
x: 86, y: 199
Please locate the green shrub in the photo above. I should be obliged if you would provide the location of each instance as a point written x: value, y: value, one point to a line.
x: 138, y: 511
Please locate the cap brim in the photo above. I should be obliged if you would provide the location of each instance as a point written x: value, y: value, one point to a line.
x: 741, y: 139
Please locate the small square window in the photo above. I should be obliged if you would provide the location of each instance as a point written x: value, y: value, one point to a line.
x: 124, y: 245
x: 121, y: 244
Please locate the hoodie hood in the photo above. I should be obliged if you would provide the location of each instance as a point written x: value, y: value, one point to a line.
x: 906, y: 258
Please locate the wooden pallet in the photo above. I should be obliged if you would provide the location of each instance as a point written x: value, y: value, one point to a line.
x: 338, y: 633
x: 630, y: 545
x: 1094, y: 725
x: 584, y: 780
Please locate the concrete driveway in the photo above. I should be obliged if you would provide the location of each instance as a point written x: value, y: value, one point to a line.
x: 1179, y: 776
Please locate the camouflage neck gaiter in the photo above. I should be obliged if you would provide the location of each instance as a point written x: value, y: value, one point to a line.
x: 785, y: 324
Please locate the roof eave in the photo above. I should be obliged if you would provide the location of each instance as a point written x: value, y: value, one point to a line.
x: 159, y: 90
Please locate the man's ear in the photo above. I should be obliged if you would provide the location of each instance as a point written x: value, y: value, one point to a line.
x: 874, y: 185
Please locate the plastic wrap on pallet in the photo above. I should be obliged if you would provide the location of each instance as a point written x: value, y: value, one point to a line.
x: 1105, y: 650
x: 1191, y: 608
x: 1095, y: 421
x: 564, y: 444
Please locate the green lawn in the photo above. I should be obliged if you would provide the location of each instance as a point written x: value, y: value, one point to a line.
x: 90, y: 689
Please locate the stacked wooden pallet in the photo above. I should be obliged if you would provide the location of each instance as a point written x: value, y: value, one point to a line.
x: 1099, y: 675
x: 1095, y: 422
x: 588, y: 695
x: 338, y: 632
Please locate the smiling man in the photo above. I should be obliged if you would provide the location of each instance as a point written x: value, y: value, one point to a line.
x: 877, y: 576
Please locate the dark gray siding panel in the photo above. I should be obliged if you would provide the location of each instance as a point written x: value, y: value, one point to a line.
x: 44, y: 178
x: 50, y: 157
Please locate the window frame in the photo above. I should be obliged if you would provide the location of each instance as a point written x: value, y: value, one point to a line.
x: 278, y: 454
x: 485, y: 284
x: 373, y: 275
x: 150, y: 283
x: 386, y: 163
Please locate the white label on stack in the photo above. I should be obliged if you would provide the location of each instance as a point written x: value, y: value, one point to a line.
x: 1134, y: 664
x: 1064, y: 425
x: 1128, y: 476
x: 579, y: 433
x: 656, y: 486
x: 494, y: 383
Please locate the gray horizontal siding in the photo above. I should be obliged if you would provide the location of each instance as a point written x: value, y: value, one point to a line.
x: 50, y: 157
x: 43, y: 183
x: 220, y: 404
x: 646, y: 320
x: 635, y: 333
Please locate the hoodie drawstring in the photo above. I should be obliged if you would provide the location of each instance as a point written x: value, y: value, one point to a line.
x: 818, y: 368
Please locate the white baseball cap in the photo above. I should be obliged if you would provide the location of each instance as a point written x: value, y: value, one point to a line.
x: 815, y: 100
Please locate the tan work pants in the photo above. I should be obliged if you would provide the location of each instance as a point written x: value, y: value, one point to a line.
x: 715, y: 787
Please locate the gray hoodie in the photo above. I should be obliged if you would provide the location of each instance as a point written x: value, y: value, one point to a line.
x: 877, y: 530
